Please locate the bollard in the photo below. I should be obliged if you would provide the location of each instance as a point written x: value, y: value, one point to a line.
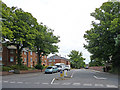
x: 61, y: 74
x: 65, y: 73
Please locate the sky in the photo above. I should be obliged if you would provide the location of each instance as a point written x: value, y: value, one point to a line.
x: 68, y: 18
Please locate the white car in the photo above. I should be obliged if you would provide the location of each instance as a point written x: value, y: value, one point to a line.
x: 67, y: 67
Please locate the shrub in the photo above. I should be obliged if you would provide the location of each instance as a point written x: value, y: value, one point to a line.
x: 5, y: 68
x: 19, y: 67
x: 41, y: 67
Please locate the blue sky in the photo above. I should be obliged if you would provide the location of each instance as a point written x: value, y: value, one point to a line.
x: 68, y: 18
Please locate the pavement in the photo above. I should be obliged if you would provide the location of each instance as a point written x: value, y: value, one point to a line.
x: 80, y: 78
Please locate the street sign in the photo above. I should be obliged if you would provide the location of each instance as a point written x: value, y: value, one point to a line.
x: 61, y: 73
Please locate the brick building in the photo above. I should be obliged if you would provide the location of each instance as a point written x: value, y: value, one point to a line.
x: 57, y: 59
x: 30, y: 58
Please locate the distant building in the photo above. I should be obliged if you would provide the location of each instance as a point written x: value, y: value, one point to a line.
x: 30, y: 58
x: 57, y: 59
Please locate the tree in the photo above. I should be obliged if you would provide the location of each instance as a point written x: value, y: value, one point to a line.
x: 101, y: 37
x: 45, y: 41
x: 76, y: 59
x: 18, y: 27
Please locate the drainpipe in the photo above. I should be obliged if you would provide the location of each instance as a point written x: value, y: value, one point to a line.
x: 27, y: 58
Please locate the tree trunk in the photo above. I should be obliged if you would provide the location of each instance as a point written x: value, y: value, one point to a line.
x: 19, y: 60
x: 39, y: 57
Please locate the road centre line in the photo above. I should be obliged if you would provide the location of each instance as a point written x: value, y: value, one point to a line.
x: 19, y: 82
x: 66, y: 83
x: 45, y: 83
x: 99, y: 85
x: 52, y: 80
x: 76, y: 84
x: 12, y: 82
x: 99, y: 78
x: 87, y: 84
x: 112, y: 86
x: 5, y: 81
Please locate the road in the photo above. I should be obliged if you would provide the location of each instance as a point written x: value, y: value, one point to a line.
x: 81, y: 78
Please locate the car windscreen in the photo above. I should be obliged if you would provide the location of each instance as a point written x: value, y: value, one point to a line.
x: 49, y: 67
x: 58, y: 66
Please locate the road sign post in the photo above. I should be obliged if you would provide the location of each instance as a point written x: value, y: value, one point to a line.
x: 62, y: 74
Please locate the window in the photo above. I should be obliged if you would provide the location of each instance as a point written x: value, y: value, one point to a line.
x: 24, y: 53
x: 36, y: 59
x: 11, y: 59
x: 31, y: 65
x: 0, y: 58
x: 11, y: 51
x: 50, y: 60
x: 31, y: 53
x: 24, y: 59
x: 31, y: 59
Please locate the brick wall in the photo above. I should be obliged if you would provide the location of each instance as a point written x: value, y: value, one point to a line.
x: 100, y: 68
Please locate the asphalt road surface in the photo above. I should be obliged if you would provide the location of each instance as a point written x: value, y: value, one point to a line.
x: 81, y: 78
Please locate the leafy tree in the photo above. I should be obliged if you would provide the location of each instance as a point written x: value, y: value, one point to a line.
x: 76, y: 59
x: 18, y: 27
x: 45, y: 41
x: 101, y: 37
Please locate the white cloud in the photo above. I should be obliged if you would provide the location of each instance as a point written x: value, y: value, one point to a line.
x: 69, y: 19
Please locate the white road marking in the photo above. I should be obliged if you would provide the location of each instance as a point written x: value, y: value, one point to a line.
x: 66, y: 84
x: 99, y: 77
x: 72, y: 74
x: 101, y: 85
x: 112, y: 86
x: 52, y: 80
x: 56, y: 83
x: 37, y: 83
x: 5, y: 81
x: 12, y: 82
x: 27, y: 82
x: 19, y: 82
x: 87, y: 84
x: 76, y: 83
x: 45, y: 83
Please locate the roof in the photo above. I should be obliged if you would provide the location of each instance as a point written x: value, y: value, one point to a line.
x: 58, y: 57
x: 11, y: 47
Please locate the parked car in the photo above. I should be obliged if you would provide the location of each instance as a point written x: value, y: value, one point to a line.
x: 86, y: 67
x: 60, y: 66
x: 67, y: 67
x: 51, y: 69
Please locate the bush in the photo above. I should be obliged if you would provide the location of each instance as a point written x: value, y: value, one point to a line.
x: 19, y: 67
x: 4, y: 68
x: 41, y: 67
x: 45, y: 66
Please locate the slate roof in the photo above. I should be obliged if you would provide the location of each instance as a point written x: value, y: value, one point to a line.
x: 57, y: 57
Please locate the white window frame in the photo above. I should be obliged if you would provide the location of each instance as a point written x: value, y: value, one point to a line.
x: 11, y: 51
x: 31, y: 59
x: 50, y: 60
x: 24, y: 53
x: 24, y: 59
x: 31, y: 53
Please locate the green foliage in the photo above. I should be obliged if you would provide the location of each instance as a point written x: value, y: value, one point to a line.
x: 19, y: 67
x: 39, y: 66
x: 23, y: 30
x: 45, y: 41
x: 5, y: 68
x: 76, y: 59
x: 103, y: 36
